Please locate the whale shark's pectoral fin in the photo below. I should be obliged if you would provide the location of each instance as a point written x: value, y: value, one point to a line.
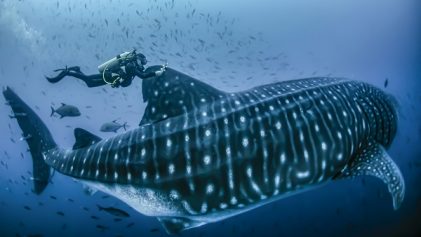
x: 374, y: 161
x: 174, y: 225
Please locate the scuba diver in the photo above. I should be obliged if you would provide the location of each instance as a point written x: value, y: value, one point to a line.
x: 118, y: 71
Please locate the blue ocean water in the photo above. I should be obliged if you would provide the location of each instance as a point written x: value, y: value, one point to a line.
x: 232, y: 46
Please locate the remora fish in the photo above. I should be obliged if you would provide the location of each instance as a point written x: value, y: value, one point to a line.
x: 113, y: 211
x: 202, y: 155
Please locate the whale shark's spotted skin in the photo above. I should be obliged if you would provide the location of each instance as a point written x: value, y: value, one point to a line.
x: 202, y: 155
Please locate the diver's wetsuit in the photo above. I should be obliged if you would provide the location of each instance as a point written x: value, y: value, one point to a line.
x: 90, y: 80
x: 131, y: 69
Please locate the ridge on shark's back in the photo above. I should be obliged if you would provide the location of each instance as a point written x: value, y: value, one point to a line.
x: 202, y: 155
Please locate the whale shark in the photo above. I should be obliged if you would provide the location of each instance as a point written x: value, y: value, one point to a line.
x: 201, y: 155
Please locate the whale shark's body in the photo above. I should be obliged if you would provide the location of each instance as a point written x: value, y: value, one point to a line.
x: 202, y: 155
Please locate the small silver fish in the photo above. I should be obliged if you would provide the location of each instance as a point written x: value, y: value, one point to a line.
x: 66, y: 111
x: 112, y: 126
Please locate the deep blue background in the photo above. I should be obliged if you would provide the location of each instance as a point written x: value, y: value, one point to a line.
x: 231, y: 45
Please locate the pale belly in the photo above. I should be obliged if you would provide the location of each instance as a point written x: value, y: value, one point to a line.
x: 144, y: 200
x: 157, y: 203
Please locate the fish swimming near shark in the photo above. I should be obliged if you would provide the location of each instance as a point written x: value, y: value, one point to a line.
x: 65, y: 111
x: 202, y: 155
x: 113, y: 126
x: 113, y: 211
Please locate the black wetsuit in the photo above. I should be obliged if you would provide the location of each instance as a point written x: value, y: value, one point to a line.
x: 131, y: 69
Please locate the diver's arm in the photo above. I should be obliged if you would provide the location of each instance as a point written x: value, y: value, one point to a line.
x: 134, y: 69
x: 144, y: 75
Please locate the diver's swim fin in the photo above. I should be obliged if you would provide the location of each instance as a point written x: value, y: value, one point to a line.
x: 57, y: 78
x: 63, y: 72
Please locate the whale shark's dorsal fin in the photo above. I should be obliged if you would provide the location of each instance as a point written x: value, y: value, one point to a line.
x: 84, y: 138
x: 374, y: 161
x: 174, y: 225
x: 174, y: 93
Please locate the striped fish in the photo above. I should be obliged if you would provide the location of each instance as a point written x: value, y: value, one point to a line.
x: 201, y: 155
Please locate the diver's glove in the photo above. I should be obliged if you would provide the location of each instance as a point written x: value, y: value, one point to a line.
x: 162, y: 70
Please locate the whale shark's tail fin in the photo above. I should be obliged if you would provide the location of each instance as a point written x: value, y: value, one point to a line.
x: 36, y: 135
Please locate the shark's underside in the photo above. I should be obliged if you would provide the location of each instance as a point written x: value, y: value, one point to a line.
x: 201, y: 155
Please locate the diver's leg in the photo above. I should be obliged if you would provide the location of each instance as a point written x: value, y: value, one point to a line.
x: 90, y: 80
x: 93, y: 80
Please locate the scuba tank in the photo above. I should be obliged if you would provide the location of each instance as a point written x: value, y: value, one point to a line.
x: 114, y: 64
